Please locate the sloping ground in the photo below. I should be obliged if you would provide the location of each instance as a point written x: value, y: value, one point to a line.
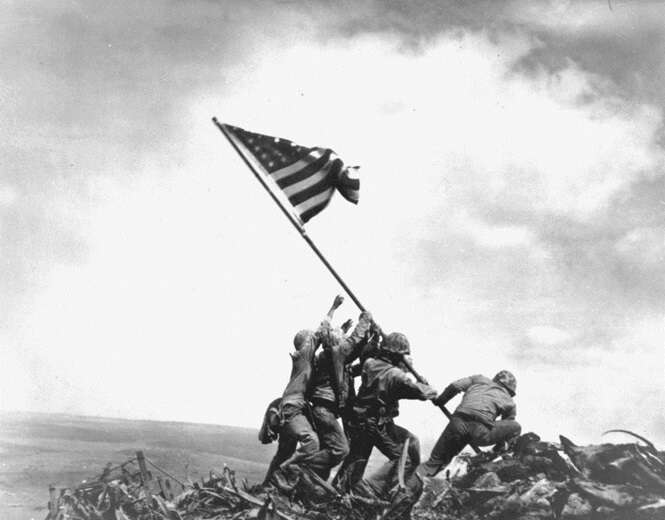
x: 532, y: 480
x: 37, y: 450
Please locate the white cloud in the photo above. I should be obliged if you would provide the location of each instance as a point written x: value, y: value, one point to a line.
x: 8, y: 195
x: 457, y: 115
x: 547, y: 335
x: 644, y: 245
x: 491, y: 236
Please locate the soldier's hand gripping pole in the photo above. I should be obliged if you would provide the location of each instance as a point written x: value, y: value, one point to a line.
x: 441, y: 407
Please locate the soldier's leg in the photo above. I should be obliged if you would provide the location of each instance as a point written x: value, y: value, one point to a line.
x: 400, y: 436
x: 298, y: 427
x: 389, y: 440
x: 504, y: 431
x: 353, y: 466
x: 453, y: 439
x: 332, y: 441
x: 285, y: 448
x: 331, y: 435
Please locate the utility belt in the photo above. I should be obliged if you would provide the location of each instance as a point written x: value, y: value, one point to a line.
x: 380, y: 414
x: 473, y: 418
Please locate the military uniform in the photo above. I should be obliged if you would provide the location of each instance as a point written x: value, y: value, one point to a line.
x: 474, y: 420
x: 330, y: 392
x: 296, y: 427
x: 377, y: 404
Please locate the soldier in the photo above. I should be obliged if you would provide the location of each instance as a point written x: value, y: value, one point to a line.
x: 384, y: 383
x: 474, y: 420
x: 269, y: 432
x: 295, y: 425
x: 330, y: 391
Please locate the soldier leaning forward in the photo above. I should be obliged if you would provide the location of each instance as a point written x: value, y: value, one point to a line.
x: 295, y: 429
x: 384, y: 383
x: 474, y: 420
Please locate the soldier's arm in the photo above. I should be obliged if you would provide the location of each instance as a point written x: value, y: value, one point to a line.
x: 351, y: 346
x: 339, y: 299
x: 454, y: 388
x: 509, y: 412
x: 403, y: 387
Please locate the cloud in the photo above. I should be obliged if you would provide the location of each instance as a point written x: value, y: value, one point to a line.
x: 547, y: 335
x: 491, y: 236
x: 643, y: 245
x: 509, y: 214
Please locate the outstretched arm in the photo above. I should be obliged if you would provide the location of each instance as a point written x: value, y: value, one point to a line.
x: 339, y: 299
x: 404, y: 388
x: 454, y: 388
x: 324, y: 330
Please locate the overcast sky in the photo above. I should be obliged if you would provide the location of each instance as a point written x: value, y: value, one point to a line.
x: 512, y: 202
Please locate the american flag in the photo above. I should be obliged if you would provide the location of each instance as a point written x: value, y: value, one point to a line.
x: 307, y: 176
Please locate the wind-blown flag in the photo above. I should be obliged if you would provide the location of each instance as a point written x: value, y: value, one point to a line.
x: 308, y: 177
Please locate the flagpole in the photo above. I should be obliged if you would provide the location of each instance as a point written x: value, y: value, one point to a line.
x: 288, y: 215
x: 306, y: 238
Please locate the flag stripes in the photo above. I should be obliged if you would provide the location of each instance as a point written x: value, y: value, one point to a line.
x: 308, y: 177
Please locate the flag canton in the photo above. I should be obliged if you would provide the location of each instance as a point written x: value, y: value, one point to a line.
x: 273, y: 153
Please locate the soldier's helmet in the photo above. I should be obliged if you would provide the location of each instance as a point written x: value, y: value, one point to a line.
x: 396, y: 343
x: 301, y: 337
x: 507, y: 380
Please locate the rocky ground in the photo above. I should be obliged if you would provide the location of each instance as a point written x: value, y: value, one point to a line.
x: 531, y: 479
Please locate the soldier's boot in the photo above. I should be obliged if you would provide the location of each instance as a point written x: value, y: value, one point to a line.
x: 286, y: 479
x: 402, y: 500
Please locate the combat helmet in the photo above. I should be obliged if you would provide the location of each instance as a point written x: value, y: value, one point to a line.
x: 396, y: 343
x: 507, y: 380
x: 300, y: 338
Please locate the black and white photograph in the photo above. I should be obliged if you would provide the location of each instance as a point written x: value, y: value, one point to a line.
x: 332, y: 260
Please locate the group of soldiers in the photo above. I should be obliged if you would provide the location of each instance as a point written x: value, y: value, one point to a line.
x: 321, y: 390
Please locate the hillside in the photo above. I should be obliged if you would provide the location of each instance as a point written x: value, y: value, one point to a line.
x: 41, y: 449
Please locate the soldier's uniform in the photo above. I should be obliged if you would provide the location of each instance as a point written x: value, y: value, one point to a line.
x: 269, y: 431
x: 376, y: 406
x: 474, y: 420
x: 330, y: 392
x: 296, y: 427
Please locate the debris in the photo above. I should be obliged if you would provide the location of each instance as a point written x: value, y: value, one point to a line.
x: 530, y: 480
x: 535, y: 479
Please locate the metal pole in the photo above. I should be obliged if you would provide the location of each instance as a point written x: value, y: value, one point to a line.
x: 289, y: 216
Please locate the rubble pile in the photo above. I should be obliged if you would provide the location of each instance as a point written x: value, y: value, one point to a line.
x: 131, y: 492
x: 537, y: 480
x: 528, y: 480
